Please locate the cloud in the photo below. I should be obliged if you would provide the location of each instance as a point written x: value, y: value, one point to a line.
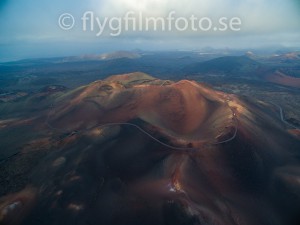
x: 257, y: 15
x: 24, y: 23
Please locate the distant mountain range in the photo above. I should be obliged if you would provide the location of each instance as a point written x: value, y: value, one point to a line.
x: 247, y: 68
x: 227, y: 65
x: 32, y: 74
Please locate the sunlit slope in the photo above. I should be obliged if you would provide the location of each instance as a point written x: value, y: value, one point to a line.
x: 133, y: 149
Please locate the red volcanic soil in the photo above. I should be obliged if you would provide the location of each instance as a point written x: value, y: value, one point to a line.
x: 283, y: 79
x: 133, y: 150
x: 184, y: 109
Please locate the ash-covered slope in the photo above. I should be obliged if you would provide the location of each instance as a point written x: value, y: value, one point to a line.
x: 133, y: 149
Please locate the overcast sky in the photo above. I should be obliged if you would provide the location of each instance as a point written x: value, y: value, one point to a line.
x: 29, y: 28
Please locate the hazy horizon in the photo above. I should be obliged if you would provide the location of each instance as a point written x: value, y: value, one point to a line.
x: 31, y: 30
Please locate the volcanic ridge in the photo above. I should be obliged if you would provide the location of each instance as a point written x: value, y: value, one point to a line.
x: 133, y: 149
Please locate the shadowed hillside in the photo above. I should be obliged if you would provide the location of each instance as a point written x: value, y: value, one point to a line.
x: 133, y: 149
x: 229, y: 65
x: 243, y: 67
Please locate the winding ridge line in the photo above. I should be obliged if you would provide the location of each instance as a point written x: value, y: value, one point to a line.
x: 282, y: 117
x: 235, y: 129
x: 135, y: 126
x: 147, y: 133
x: 119, y: 124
